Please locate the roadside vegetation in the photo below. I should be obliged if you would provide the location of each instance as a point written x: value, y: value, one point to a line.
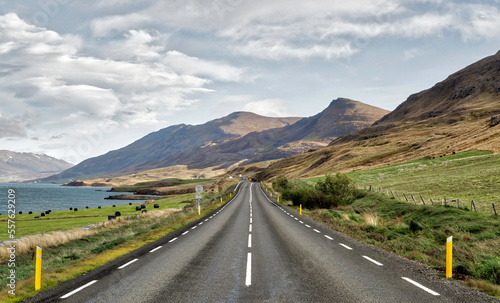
x: 416, y: 232
x: 472, y: 175
x: 331, y: 191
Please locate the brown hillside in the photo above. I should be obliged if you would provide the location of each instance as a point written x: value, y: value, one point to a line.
x: 458, y: 114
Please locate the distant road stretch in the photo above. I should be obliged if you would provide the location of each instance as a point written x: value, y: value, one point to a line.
x: 252, y: 250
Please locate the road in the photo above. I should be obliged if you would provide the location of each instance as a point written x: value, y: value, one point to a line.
x: 252, y: 250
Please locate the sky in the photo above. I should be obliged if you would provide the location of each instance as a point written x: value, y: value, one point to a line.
x: 81, y: 78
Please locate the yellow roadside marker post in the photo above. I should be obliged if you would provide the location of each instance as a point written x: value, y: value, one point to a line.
x: 278, y: 199
x: 199, y: 210
x: 449, y: 254
x: 220, y: 199
x: 301, y: 209
x: 38, y: 272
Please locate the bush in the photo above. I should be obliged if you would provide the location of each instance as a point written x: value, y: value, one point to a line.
x: 339, y: 189
x: 489, y: 270
x: 280, y: 183
x: 331, y: 192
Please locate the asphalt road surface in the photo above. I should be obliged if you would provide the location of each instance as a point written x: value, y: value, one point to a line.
x: 252, y: 250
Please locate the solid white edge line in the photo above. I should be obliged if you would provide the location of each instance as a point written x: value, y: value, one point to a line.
x: 172, y: 240
x: 249, y: 240
x: 153, y: 250
x: 78, y: 289
x: 248, y: 279
x: 345, y: 246
x: 421, y: 286
x: 127, y: 264
x: 317, y: 231
x: 328, y: 237
x: 373, y: 261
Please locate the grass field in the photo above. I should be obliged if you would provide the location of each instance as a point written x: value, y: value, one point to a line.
x: 472, y: 175
x: 26, y: 225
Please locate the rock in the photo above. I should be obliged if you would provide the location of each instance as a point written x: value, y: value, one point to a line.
x: 495, y: 120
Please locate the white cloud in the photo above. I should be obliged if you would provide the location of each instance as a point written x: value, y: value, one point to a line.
x: 268, y: 107
x: 138, y: 85
x: 412, y: 53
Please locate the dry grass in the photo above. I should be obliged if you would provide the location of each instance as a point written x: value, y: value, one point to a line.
x: 371, y: 219
x: 391, y: 144
x: 484, y: 286
x: 27, y: 244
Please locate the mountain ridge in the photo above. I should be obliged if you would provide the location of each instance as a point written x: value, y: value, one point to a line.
x: 15, y: 166
x: 239, y: 137
x: 457, y: 114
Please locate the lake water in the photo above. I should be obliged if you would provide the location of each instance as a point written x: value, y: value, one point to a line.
x: 42, y: 197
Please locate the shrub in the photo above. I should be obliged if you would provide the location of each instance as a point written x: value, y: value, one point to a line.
x: 280, y: 183
x: 339, y: 189
x: 331, y: 192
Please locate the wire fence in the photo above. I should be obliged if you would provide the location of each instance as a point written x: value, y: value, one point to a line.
x: 429, y: 202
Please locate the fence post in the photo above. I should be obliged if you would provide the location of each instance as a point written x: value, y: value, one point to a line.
x: 406, y: 198
x: 432, y: 202
x: 494, y: 209
x: 398, y: 196
x: 422, y: 199
x: 473, y: 204
x: 414, y: 202
x: 393, y: 194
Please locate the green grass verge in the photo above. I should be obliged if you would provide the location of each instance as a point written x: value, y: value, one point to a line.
x: 26, y: 225
x: 472, y: 175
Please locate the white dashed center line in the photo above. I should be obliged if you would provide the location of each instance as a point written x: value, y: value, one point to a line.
x: 328, y: 237
x: 317, y: 231
x: 172, y: 240
x: 248, y: 280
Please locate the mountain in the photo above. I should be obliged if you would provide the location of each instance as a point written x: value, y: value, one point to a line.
x: 27, y: 166
x: 174, y: 145
x: 458, y: 114
x: 341, y: 117
x: 238, y: 138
